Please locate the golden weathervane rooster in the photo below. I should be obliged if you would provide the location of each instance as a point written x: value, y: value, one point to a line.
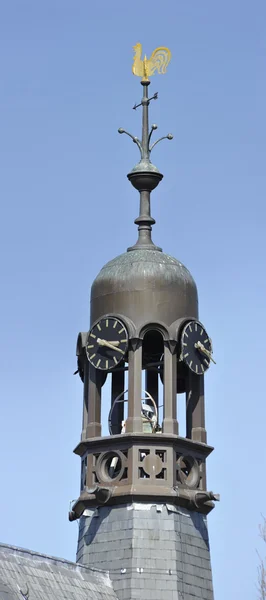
x: 158, y: 61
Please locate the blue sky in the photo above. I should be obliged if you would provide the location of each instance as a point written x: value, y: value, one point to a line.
x: 67, y: 208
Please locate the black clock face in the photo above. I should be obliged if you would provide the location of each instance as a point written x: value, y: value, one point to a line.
x: 107, y: 343
x: 196, y: 347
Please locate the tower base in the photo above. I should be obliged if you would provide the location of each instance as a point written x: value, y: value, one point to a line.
x: 152, y: 551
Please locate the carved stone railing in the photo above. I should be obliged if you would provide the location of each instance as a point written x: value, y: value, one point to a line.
x: 161, y: 466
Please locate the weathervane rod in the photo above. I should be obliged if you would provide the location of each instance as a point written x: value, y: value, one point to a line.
x: 145, y: 176
x: 145, y: 121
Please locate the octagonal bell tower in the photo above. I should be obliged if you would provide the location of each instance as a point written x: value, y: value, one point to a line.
x: 144, y: 496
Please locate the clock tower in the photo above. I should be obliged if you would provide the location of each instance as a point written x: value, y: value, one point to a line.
x: 144, y: 498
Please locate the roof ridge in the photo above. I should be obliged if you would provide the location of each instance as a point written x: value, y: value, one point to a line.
x: 18, y: 549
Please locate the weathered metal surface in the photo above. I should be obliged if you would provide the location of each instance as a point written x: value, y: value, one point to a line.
x: 144, y: 285
x: 144, y: 145
x: 181, y: 473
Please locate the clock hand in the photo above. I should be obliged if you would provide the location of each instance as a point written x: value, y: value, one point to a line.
x: 204, y: 350
x: 109, y: 345
x: 115, y: 343
x: 102, y: 342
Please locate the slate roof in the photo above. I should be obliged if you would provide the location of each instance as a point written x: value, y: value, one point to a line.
x: 32, y: 576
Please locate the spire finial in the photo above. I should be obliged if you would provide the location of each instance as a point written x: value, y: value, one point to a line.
x: 145, y: 176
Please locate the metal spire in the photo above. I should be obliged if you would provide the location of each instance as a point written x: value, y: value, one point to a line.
x: 145, y: 176
x: 144, y: 146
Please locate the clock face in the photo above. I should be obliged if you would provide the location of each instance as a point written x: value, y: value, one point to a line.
x: 196, y: 347
x: 107, y: 343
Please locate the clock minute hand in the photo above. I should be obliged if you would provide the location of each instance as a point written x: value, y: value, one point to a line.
x: 109, y: 345
x: 204, y: 350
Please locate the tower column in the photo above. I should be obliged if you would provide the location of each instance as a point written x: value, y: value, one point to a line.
x: 118, y: 410
x: 94, y: 428
x: 170, y: 424
x: 85, y: 400
x: 195, y: 412
x: 134, y: 420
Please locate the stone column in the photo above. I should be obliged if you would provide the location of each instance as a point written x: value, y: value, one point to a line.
x: 118, y: 387
x: 170, y: 424
x: 94, y: 428
x: 85, y: 400
x: 195, y: 410
x: 134, y: 420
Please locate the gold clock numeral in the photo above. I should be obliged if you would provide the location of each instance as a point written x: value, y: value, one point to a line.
x: 190, y: 364
x: 190, y: 328
x: 121, y: 330
x: 98, y: 362
x: 185, y: 333
x: 99, y: 327
x: 185, y: 355
x: 91, y: 346
x: 205, y: 341
x: 92, y: 335
x: 106, y: 364
x: 202, y: 368
x: 115, y: 360
x: 197, y: 368
x: 123, y: 341
x: 184, y: 344
x: 196, y: 326
x: 206, y: 361
x: 201, y: 333
x: 92, y: 356
x: 106, y: 322
x: 115, y: 324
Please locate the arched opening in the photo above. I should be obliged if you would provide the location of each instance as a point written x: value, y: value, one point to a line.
x: 181, y: 397
x: 152, y: 364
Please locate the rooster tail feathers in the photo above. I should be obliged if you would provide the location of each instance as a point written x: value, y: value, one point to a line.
x: 159, y: 60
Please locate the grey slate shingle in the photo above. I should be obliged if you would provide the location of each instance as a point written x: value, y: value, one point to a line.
x: 170, y: 547
x: 49, y: 578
